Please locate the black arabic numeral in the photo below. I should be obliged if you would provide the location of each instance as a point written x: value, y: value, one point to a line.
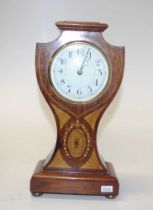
x: 81, y: 51
x: 90, y: 54
x: 69, y: 88
x: 60, y: 70
x: 90, y: 88
x: 96, y: 82
x: 97, y: 62
x: 62, y: 61
x: 62, y: 81
x: 70, y: 54
x: 79, y: 92
x: 100, y: 72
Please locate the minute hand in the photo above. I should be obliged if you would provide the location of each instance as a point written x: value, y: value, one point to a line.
x: 84, y: 62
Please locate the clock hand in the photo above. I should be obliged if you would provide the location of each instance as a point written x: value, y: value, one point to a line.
x: 83, y: 63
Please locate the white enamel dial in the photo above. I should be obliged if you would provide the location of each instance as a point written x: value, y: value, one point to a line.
x: 79, y: 72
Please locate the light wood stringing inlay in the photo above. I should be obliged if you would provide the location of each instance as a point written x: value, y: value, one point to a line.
x: 62, y: 116
x: 92, y: 117
x: 92, y: 163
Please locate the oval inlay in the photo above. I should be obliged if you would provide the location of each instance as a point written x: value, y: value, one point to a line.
x: 76, y: 143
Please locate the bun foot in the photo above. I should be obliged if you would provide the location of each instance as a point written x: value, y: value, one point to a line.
x: 110, y: 196
x: 36, y: 194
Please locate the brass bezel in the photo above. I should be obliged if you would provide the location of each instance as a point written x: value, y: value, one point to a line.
x: 50, y: 68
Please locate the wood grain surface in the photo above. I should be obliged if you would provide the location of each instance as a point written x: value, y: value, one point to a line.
x: 79, y: 170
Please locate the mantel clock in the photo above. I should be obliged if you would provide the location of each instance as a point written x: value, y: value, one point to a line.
x: 79, y: 74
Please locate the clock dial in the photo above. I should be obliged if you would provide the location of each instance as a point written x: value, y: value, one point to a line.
x: 79, y: 72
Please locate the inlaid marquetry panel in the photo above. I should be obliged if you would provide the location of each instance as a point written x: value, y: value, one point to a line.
x: 92, y: 163
x: 93, y: 116
x: 58, y: 162
x: 62, y: 116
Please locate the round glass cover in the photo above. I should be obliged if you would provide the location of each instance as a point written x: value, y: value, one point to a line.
x: 79, y: 71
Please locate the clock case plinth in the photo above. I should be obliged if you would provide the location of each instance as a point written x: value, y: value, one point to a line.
x: 79, y: 171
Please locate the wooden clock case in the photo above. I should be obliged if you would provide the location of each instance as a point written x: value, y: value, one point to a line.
x: 78, y: 168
